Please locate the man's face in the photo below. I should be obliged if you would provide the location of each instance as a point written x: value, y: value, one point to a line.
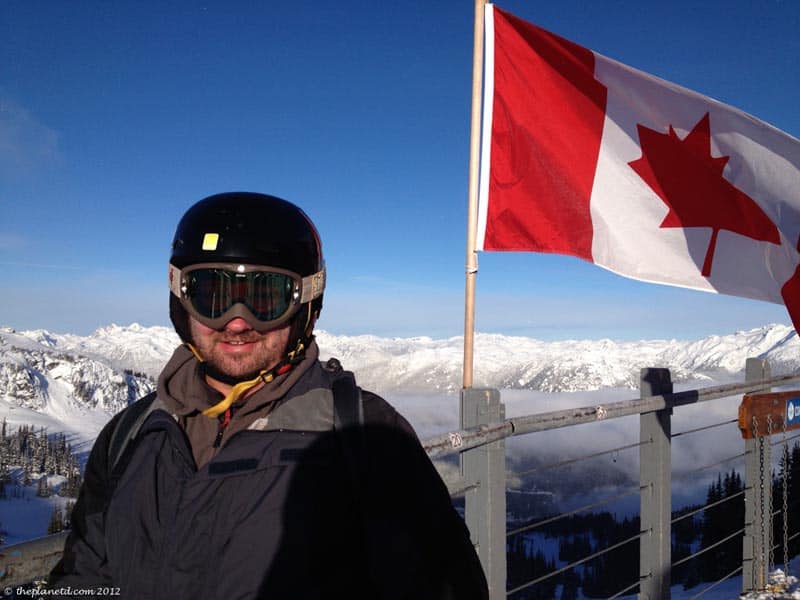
x: 238, y: 349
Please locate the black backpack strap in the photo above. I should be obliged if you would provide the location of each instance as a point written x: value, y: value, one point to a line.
x: 348, y: 418
x: 128, y: 426
x: 348, y: 407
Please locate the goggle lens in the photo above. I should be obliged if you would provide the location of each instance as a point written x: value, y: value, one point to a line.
x: 212, y: 292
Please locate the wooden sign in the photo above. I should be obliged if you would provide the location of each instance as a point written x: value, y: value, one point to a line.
x: 765, y: 414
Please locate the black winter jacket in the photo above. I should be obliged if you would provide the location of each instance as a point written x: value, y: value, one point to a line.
x: 277, y: 513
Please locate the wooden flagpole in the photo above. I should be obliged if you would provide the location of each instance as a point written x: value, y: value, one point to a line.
x: 472, y: 216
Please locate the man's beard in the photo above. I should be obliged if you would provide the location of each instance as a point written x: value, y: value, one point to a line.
x: 264, y: 351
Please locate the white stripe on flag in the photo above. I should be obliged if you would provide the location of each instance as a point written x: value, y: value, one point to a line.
x: 486, y: 132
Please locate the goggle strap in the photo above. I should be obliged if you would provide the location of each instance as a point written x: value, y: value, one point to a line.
x: 195, y: 351
x: 175, y: 280
x: 312, y: 286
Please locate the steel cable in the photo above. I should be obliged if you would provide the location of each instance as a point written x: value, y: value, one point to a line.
x: 578, y: 562
x: 716, y: 583
x: 572, y: 512
x: 706, y: 507
x: 625, y: 590
x: 578, y: 459
x: 688, y: 431
x: 711, y: 547
x: 684, y: 474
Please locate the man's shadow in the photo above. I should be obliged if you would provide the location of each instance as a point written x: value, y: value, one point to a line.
x: 367, y: 516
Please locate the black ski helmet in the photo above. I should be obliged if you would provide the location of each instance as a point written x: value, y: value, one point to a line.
x: 253, y: 229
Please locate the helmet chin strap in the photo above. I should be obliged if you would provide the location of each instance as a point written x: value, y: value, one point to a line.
x: 241, y: 385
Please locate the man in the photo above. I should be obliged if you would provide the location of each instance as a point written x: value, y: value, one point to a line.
x: 255, y: 471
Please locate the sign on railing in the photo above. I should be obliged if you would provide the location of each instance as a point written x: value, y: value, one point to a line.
x: 761, y: 414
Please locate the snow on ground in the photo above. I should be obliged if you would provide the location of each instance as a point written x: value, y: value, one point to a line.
x: 81, y: 427
x: 27, y: 517
x: 780, y: 587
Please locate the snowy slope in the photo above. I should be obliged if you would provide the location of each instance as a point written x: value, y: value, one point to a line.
x: 45, y: 381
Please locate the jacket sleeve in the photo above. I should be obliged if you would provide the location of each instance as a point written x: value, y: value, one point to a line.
x: 83, y: 563
x: 419, y: 541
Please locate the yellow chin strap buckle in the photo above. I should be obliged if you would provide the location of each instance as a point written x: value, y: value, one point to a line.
x: 237, y: 392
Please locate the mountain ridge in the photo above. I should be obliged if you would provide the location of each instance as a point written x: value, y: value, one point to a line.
x: 117, y: 363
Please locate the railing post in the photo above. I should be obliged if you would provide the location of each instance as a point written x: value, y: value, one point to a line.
x: 655, y: 471
x: 484, y: 472
x: 757, y: 497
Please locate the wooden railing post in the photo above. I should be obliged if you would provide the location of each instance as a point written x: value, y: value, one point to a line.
x: 757, y: 538
x: 655, y: 472
x: 484, y: 472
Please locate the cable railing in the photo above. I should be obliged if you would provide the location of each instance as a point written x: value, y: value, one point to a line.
x: 572, y: 461
x: 549, y: 521
x: 719, y: 463
x: 703, y: 508
x: 459, y: 441
x: 585, y: 508
x: 704, y: 428
x: 576, y: 563
x: 483, y: 481
x: 543, y: 522
x: 704, y: 591
x: 654, y: 408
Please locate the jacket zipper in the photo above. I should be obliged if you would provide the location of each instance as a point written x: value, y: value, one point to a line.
x: 223, y: 420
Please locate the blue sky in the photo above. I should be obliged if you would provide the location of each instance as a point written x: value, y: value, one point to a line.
x: 116, y: 116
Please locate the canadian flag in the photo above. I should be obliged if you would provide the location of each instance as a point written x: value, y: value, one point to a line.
x: 585, y: 156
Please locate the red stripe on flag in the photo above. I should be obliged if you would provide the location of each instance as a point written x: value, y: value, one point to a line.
x: 547, y: 123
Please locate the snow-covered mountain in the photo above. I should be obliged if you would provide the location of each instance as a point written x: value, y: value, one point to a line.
x: 84, y: 380
x: 425, y: 365
x: 61, y: 383
x: 114, y: 364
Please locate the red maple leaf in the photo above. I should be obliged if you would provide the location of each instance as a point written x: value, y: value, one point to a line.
x: 689, y: 181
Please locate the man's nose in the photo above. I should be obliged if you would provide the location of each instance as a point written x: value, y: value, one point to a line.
x: 237, y: 325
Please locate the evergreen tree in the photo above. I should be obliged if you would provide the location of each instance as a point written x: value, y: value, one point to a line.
x: 43, y: 488
x: 56, y: 521
x: 570, y: 586
x: 574, y: 548
x: 794, y: 498
x: 544, y: 590
x: 68, y: 514
x: 517, y: 562
x: 71, y: 487
x: 719, y: 522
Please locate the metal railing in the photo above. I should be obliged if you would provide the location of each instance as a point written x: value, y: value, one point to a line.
x: 480, y: 444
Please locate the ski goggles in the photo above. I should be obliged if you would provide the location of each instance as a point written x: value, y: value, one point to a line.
x: 215, y: 293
